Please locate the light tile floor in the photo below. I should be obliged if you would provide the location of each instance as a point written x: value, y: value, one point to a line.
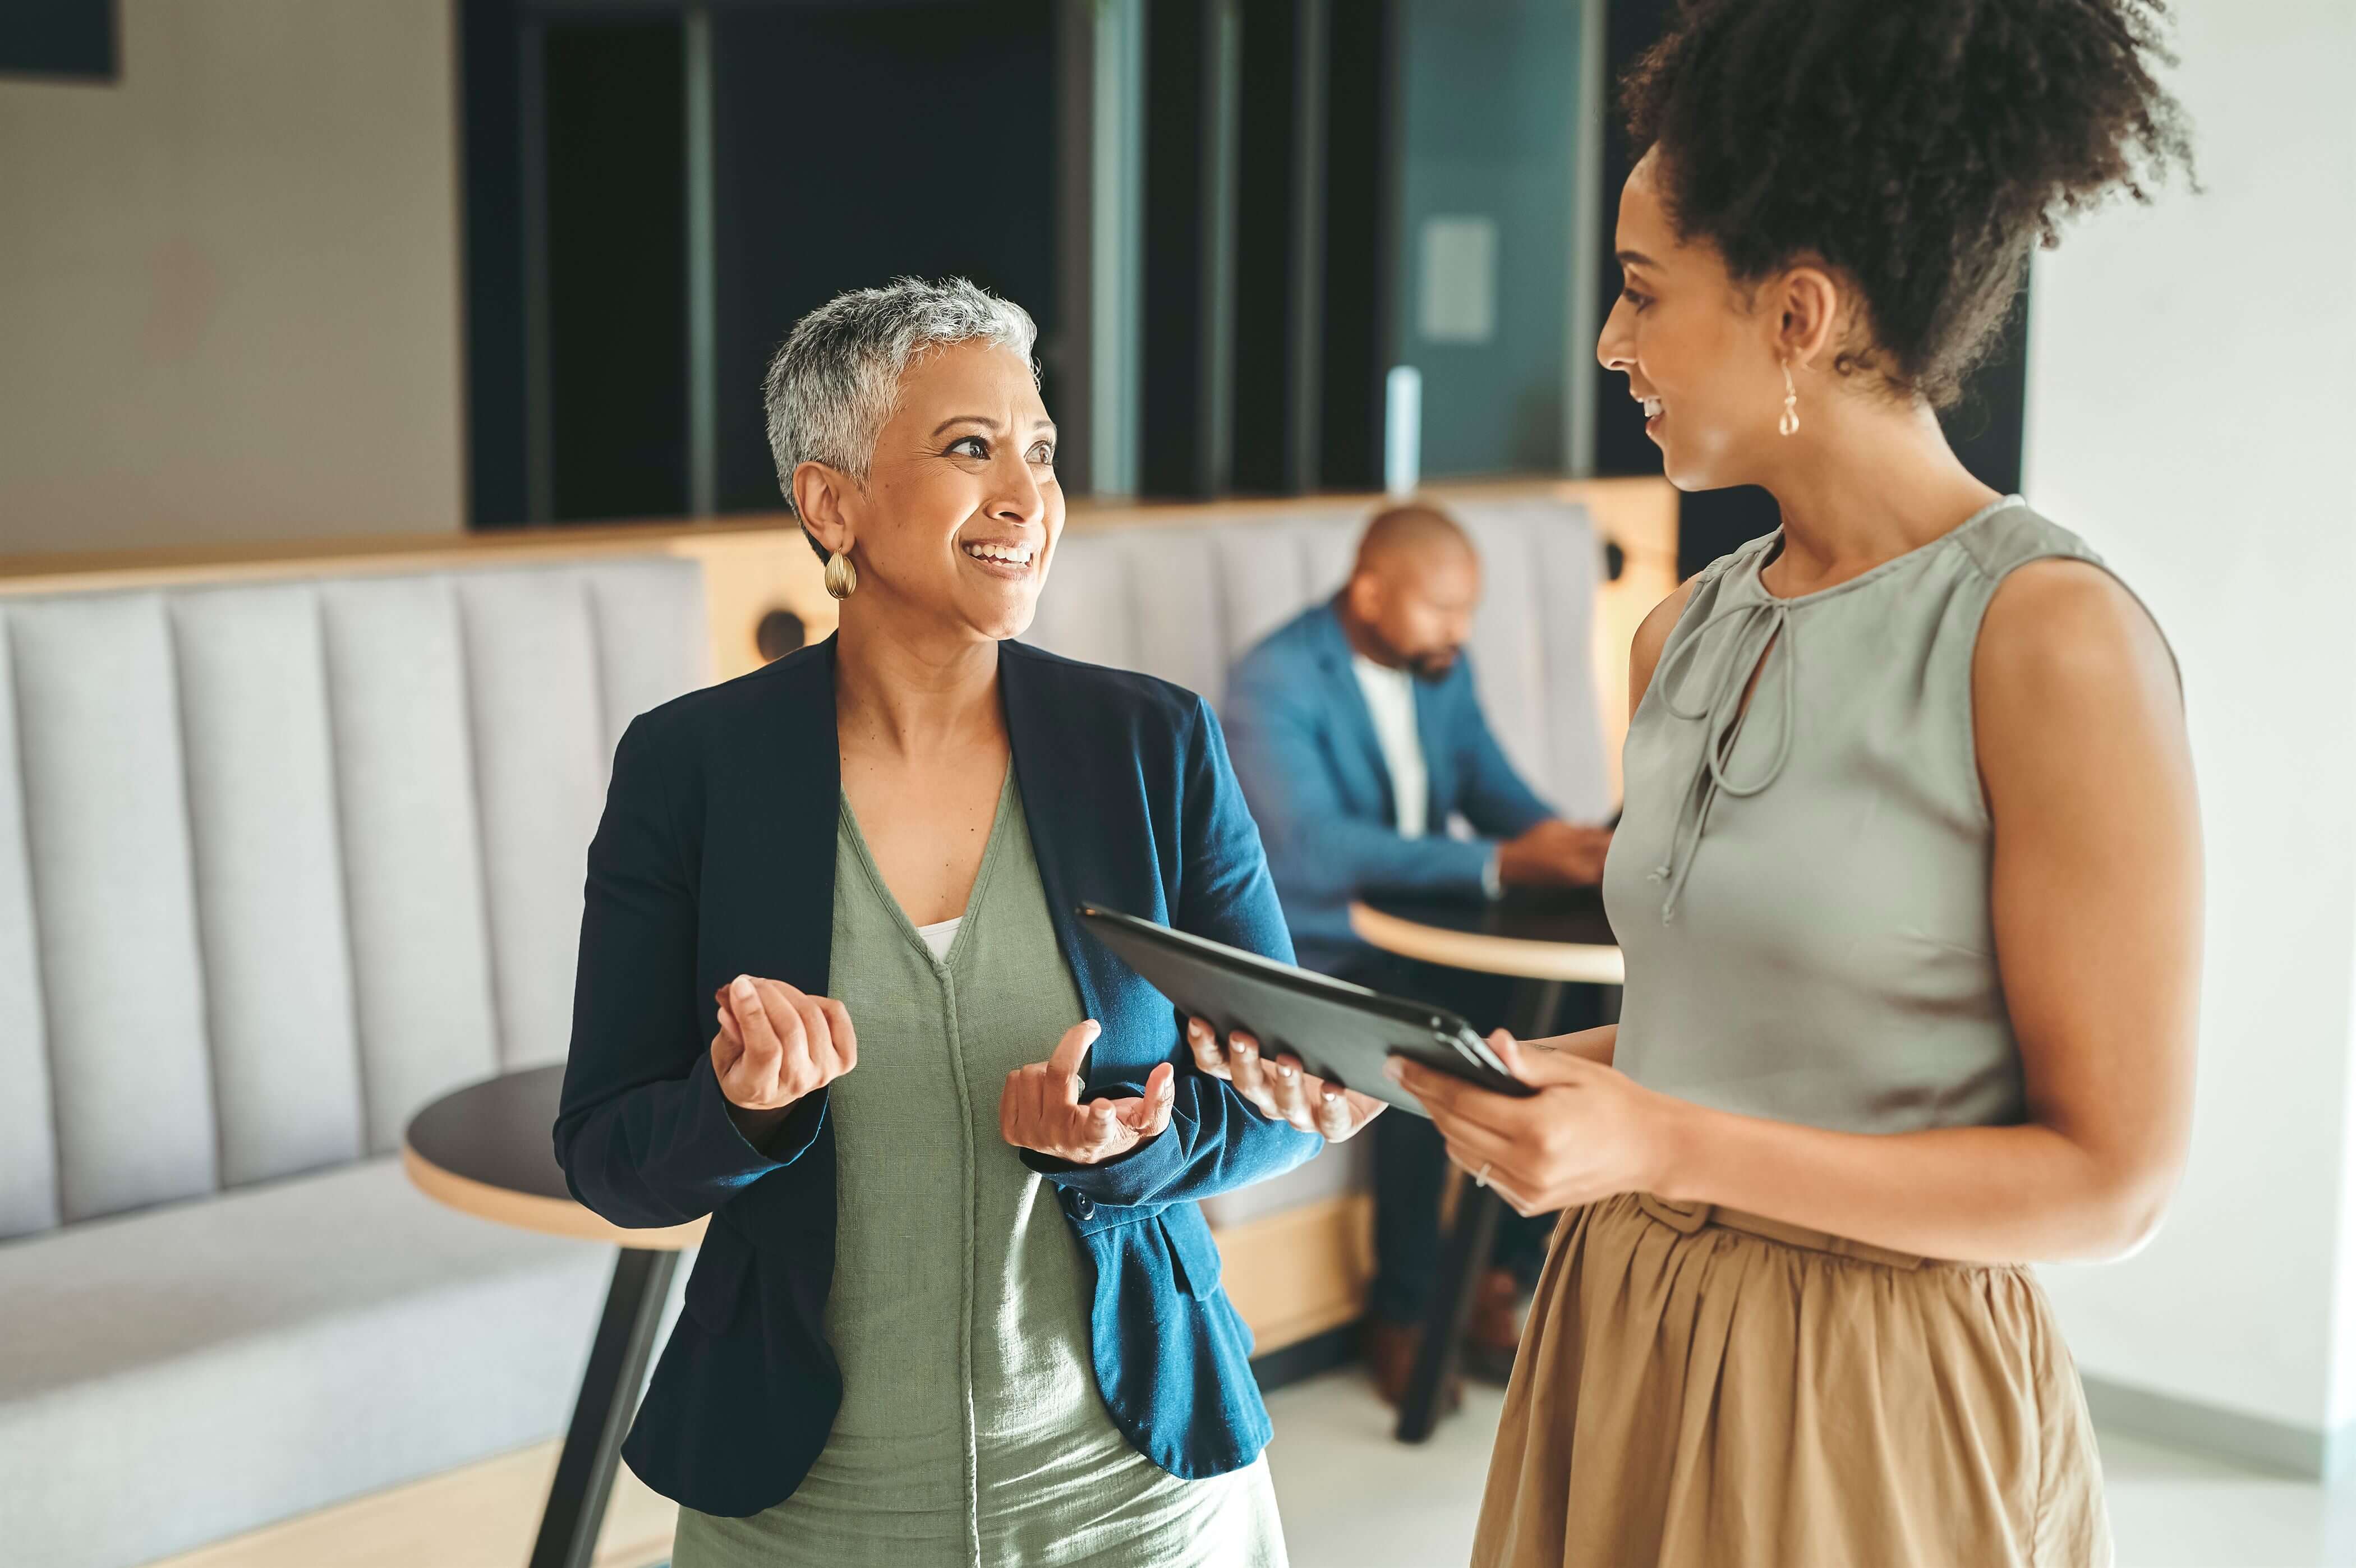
x: 1354, y: 1498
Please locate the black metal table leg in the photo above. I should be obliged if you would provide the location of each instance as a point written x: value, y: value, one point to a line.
x: 609, y: 1395
x: 1470, y: 1242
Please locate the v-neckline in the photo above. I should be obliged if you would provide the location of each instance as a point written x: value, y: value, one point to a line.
x: 989, y: 851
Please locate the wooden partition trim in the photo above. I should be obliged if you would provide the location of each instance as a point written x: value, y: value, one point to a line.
x: 755, y: 564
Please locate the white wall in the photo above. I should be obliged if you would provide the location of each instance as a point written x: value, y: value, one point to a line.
x: 2191, y: 410
x: 229, y: 281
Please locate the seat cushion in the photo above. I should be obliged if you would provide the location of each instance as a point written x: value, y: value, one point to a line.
x: 180, y: 1374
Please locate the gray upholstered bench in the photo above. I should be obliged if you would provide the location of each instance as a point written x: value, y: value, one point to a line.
x: 277, y: 865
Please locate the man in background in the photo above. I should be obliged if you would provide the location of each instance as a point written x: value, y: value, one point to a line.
x: 1359, y: 734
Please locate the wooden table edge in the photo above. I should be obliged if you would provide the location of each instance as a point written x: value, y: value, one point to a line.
x: 1582, y: 964
x: 527, y: 1211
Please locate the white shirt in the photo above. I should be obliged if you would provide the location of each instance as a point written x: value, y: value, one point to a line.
x: 940, y: 936
x: 1391, y: 698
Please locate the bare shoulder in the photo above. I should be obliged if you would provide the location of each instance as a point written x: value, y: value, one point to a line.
x: 1652, y: 637
x: 2070, y: 671
x: 2061, y: 629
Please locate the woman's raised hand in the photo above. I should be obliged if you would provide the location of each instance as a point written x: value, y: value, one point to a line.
x: 1278, y: 1087
x: 1041, y: 1108
x: 777, y: 1045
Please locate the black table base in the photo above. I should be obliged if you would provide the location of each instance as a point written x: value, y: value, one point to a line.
x: 1536, y: 1004
x: 609, y: 1397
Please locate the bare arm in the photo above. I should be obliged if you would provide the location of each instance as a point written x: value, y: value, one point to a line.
x: 2095, y: 890
x: 1652, y: 637
x: 1591, y: 1045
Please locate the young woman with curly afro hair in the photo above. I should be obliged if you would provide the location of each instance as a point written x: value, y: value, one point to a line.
x: 1908, y: 877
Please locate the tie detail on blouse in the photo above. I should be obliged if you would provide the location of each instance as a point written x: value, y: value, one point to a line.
x: 1756, y: 629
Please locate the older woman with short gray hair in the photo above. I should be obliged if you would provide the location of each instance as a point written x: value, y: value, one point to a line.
x: 955, y: 1303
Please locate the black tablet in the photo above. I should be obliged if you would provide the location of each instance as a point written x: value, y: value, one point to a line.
x: 1341, y: 1032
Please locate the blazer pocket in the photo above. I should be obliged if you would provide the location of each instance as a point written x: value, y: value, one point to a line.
x: 1193, y: 1252
x: 715, y: 1290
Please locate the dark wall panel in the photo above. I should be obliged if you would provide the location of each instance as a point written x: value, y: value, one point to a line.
x: 617, y: 269
x: 857, y: 144
x: 58, y: 37
x: 1264, y: 200
x: 1176, y: 57
x: 1362, y: 183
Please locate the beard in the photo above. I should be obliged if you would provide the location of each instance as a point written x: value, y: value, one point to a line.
x: 1433, y: 667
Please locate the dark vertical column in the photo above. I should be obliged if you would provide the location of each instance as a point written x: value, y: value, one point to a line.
x: 1173, y: 367
x: 617, y: 283
x: 1193, y: 109
x: 702, y: 323
x: 1268, y: 193
x: 1215, y: 328
x: 538, y: 417
x: 490, y: 69
x: 1070, y: 353
x: 1305, y: 352
x: 1361, y: 263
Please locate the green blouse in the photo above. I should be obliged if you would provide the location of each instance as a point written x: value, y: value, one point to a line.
x: 971, y: 1431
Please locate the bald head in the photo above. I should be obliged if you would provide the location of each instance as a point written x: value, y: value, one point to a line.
x: 1412, y: 592
x: 1409, y: 537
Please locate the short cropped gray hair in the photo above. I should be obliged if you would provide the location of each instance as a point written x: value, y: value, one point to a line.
x: 832, y: 386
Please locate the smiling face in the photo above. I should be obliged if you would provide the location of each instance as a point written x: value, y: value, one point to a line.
x: 956, y: 522
x: 1704, y: 362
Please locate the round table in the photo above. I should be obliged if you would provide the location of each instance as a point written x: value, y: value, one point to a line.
x: 486, y: 1149
x: 1544, y: 940
x: 1562, y: 936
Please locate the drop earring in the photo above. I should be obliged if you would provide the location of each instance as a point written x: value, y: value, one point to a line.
x: 1789, y: 423
x: 841, y: 578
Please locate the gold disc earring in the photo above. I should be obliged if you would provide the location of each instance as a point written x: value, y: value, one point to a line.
x: 841, y: 578
x: 1789, y: 423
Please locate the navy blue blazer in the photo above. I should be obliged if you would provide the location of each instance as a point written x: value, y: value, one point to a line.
x: 715, y: 858
x: 1305, y: 748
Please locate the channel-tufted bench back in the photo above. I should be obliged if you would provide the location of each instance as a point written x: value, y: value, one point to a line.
x: 278, y: 863
x: 1182, y: 601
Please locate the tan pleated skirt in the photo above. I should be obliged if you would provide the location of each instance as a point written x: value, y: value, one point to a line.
x: 1702, y: 1388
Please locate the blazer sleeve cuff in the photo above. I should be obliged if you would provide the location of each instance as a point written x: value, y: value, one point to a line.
x: 742, y: 1159
x: 1135, y: 1176
x: 1461, y: 865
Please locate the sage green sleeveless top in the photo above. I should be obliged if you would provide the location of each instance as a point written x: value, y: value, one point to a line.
x: 971, y: 1430
x: 1801, y: 891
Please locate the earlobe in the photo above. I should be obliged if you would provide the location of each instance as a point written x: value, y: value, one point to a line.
x: 817, y: 501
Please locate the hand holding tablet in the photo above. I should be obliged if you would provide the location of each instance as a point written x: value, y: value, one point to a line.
x: 1279, y: 1086
x: 1339, y: 1032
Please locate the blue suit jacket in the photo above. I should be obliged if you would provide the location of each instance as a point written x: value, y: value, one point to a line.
x: 715, y: 858
x: 1305, y: 749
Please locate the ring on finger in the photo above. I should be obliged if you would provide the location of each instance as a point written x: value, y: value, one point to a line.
x: 1481, y: 1177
